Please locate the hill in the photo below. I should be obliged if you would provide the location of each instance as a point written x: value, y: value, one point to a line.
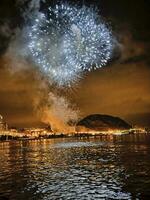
x: 98, y: 122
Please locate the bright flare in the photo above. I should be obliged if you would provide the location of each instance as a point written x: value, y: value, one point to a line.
x: 67, y: 41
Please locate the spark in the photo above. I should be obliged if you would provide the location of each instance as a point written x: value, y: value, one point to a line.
x: 68, y: 40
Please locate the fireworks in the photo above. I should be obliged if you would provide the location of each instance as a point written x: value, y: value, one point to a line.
x: 68, y: 40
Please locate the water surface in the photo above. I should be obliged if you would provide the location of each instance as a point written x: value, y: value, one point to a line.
x: 107, y: 167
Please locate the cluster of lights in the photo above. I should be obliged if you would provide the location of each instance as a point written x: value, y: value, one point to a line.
x: 67, y: 41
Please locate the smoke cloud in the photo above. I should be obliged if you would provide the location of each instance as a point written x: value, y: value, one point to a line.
x: 59, y: 113
x: 52, y: 109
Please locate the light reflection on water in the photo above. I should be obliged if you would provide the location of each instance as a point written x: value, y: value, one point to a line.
x: 108, y: 167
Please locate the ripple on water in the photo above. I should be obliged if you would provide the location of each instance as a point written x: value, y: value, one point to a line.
x: 76, y: 144
x: 64, y: 169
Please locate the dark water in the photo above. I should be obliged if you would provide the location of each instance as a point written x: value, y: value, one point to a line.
x: 109, y: 167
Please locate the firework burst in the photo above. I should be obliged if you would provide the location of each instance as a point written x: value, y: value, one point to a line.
x: 68, y: 40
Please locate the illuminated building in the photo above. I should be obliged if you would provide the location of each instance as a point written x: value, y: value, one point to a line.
x: 3, y: 125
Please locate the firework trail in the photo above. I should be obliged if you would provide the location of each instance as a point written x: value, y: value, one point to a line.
x: 68, y: 40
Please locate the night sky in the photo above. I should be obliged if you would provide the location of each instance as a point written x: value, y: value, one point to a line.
x: 122, y: 88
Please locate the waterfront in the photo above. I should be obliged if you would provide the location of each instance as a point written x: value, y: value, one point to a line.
x: 106, y: 167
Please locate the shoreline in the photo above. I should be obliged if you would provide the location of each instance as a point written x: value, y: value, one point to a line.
x: 4, y: 138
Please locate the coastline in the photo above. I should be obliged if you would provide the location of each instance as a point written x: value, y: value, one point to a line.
x: 5, y: 138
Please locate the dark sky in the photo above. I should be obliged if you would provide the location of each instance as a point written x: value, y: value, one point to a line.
x: 122, y: 88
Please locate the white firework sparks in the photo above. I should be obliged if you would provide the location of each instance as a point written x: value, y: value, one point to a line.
x: 69, y: 40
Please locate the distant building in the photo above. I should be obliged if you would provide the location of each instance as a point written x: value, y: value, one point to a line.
x: 37, y: 132
x: 3, y: 125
